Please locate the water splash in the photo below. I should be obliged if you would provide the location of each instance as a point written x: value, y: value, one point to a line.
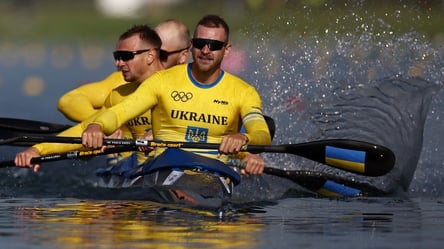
x: 390, y: 112
x: 360, y: 79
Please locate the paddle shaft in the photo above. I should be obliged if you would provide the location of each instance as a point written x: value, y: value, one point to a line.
x: 13, y: 127
x: 354, y: 156
x: 71, y: 155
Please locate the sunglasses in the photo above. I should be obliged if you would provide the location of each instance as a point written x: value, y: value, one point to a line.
x: 168, y: 53
x: 127, y: 55
x: 213, y: 45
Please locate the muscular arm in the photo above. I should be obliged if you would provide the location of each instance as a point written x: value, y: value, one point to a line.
x: 256, y: 128
x: 55, y: 148
x: 139, y: 102
x: 74, y: 131
x: 82, y: 102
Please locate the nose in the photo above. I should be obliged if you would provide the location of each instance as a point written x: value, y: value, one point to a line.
x: 205, y: 49
x: 118, y: 63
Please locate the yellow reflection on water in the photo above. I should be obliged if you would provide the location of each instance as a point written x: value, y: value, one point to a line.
x: 111, y: 224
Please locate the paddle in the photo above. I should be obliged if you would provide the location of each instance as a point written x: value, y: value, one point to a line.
x: 321, y: 183
x: 71, y: 155
x: 354, y: 156
x: 12, y: 127
x: 326, y: 184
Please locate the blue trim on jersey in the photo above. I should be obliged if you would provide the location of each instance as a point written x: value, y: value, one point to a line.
x: 190, y: 76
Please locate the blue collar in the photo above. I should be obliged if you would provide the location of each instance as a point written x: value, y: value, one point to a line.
x: 196, y: 83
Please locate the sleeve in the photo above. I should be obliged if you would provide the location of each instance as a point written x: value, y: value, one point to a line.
x: 139, y: 102
x: 74, y: 131
x: 56, y: 148
x: 84, y: 101
x: 256, y: 128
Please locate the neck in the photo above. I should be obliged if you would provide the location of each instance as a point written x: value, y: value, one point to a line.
x: 205, y: 77
x: 153, y: 68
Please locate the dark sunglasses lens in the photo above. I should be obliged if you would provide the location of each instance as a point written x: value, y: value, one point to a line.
x: 199, y: 43
x: 216, y: 45
x: 123, y: 55
x: 213, y: 45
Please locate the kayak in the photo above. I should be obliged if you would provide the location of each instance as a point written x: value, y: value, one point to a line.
x: 175, y: 177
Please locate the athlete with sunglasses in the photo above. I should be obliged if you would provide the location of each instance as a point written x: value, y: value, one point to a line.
x: 82, y: 102
x: 137, y: 56
x: 197, y: 102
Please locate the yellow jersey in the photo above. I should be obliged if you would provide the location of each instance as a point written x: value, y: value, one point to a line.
x: 82, y: 102
x: 185, y: 110
x: 134, y: 128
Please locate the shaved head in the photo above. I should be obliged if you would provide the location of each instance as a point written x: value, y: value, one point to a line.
x: 174, y: 35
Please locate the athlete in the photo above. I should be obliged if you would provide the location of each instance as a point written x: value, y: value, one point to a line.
x: 82, y: 102
x: 23, y: 158
x: 197, y: 102
x: 137, y: 56
x: 176, y: 44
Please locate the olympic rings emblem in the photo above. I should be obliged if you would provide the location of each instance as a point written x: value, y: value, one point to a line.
x: 181, y: 96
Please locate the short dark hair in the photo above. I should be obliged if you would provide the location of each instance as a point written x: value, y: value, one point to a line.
x: 214, y: 21
x: 145, y: 33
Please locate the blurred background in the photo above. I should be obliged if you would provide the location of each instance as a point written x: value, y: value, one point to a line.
x: 49, y: 47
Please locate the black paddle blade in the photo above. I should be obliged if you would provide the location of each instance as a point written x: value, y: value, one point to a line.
x: 350, y: 155
x: 326, y: 185
x: 12, y: 127
x: 271, y: 125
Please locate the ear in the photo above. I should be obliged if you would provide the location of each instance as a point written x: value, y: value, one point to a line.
x: 227, y: 49
x: 150, y: 56
x: 184, y: 55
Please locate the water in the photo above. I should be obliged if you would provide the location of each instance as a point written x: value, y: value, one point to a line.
x: 361, y: 78
x: 288, y: 223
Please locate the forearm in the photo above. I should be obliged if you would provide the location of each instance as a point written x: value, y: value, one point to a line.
x: 259, y: 137
x: 258, y: 132
x: 132, y: 106
x: 55, y: 148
